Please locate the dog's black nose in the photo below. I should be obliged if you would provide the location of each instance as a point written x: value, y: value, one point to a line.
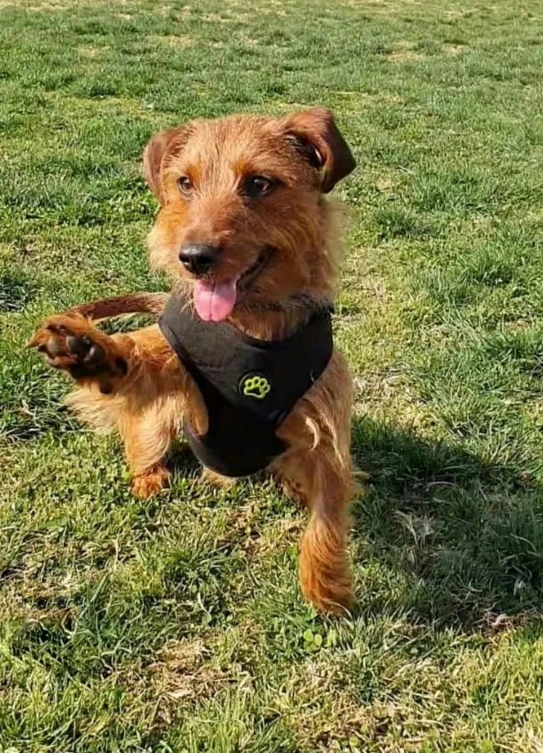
x: 198, y: 258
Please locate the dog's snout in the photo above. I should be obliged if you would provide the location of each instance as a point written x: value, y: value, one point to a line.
x: 198, y: 258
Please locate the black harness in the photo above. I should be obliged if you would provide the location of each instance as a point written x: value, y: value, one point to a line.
x: 249, y: 386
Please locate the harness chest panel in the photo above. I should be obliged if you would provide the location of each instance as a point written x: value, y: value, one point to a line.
x: 249, y: 386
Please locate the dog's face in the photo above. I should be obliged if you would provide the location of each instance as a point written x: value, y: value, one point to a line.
x: 242, y: 216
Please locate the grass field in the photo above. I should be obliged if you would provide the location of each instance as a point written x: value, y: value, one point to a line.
x: 176, y: 626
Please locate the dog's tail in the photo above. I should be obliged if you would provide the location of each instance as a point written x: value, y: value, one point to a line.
x: 123, y: 305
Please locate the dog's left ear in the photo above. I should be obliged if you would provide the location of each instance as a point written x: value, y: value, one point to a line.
x: 318, y: 139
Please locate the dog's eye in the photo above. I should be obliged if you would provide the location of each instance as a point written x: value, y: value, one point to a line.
x: 185, y: 184
x: 257, y: 185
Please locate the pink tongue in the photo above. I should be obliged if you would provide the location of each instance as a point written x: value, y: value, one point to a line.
x: 214, y: 301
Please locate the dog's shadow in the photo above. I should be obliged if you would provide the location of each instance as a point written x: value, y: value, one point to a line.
x: 439, y: 534
x: 444, y: 536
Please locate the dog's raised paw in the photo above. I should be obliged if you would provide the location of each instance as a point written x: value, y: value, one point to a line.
x: 70, y: 343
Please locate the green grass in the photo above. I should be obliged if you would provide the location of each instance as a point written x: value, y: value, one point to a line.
x: 176, y: 625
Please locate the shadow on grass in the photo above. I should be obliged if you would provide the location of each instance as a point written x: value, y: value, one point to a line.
x: 443, y: 535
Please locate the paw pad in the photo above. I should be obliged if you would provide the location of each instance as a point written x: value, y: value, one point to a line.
x: 256, y: 386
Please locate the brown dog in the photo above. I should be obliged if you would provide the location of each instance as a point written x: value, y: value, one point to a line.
x: 245, y: 231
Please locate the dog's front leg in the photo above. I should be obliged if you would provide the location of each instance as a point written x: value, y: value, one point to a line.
x: 132, y: 382
x: 325, y: 485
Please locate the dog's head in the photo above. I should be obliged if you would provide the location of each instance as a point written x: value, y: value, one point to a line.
x: 242, y: 217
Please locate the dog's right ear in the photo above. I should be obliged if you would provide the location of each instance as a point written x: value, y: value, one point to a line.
x: 163, y: 145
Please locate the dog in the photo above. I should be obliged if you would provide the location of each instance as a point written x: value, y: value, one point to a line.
x: 253, y: 247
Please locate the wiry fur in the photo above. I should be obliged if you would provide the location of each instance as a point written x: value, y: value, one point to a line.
x: 134, y: 383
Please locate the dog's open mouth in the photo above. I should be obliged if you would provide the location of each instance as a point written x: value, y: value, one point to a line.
x: 250, y: 275
x: 215, y: 301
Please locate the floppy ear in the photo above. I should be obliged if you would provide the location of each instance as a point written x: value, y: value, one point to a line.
x: 318, y: 139
x: 161, y: 146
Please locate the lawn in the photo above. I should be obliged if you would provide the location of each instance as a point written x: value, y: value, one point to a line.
x: 176, y: 625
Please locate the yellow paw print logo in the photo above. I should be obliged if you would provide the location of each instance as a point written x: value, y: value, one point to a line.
x: 255, y: 386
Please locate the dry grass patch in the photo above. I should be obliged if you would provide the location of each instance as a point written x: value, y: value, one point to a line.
x: 454, y: 49
x: 185, y: 672
x: 91, y: 53
x: 404, y: 56
x: 173, y: 40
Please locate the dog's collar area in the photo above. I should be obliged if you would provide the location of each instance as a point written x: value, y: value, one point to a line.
x: 299, y: 301
x: 306, y: 301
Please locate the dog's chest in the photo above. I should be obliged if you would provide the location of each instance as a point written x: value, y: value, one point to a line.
x: 249, y: 386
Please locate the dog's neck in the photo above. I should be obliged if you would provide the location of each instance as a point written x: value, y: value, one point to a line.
x: 272, y: 320
x: 275, y: 320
